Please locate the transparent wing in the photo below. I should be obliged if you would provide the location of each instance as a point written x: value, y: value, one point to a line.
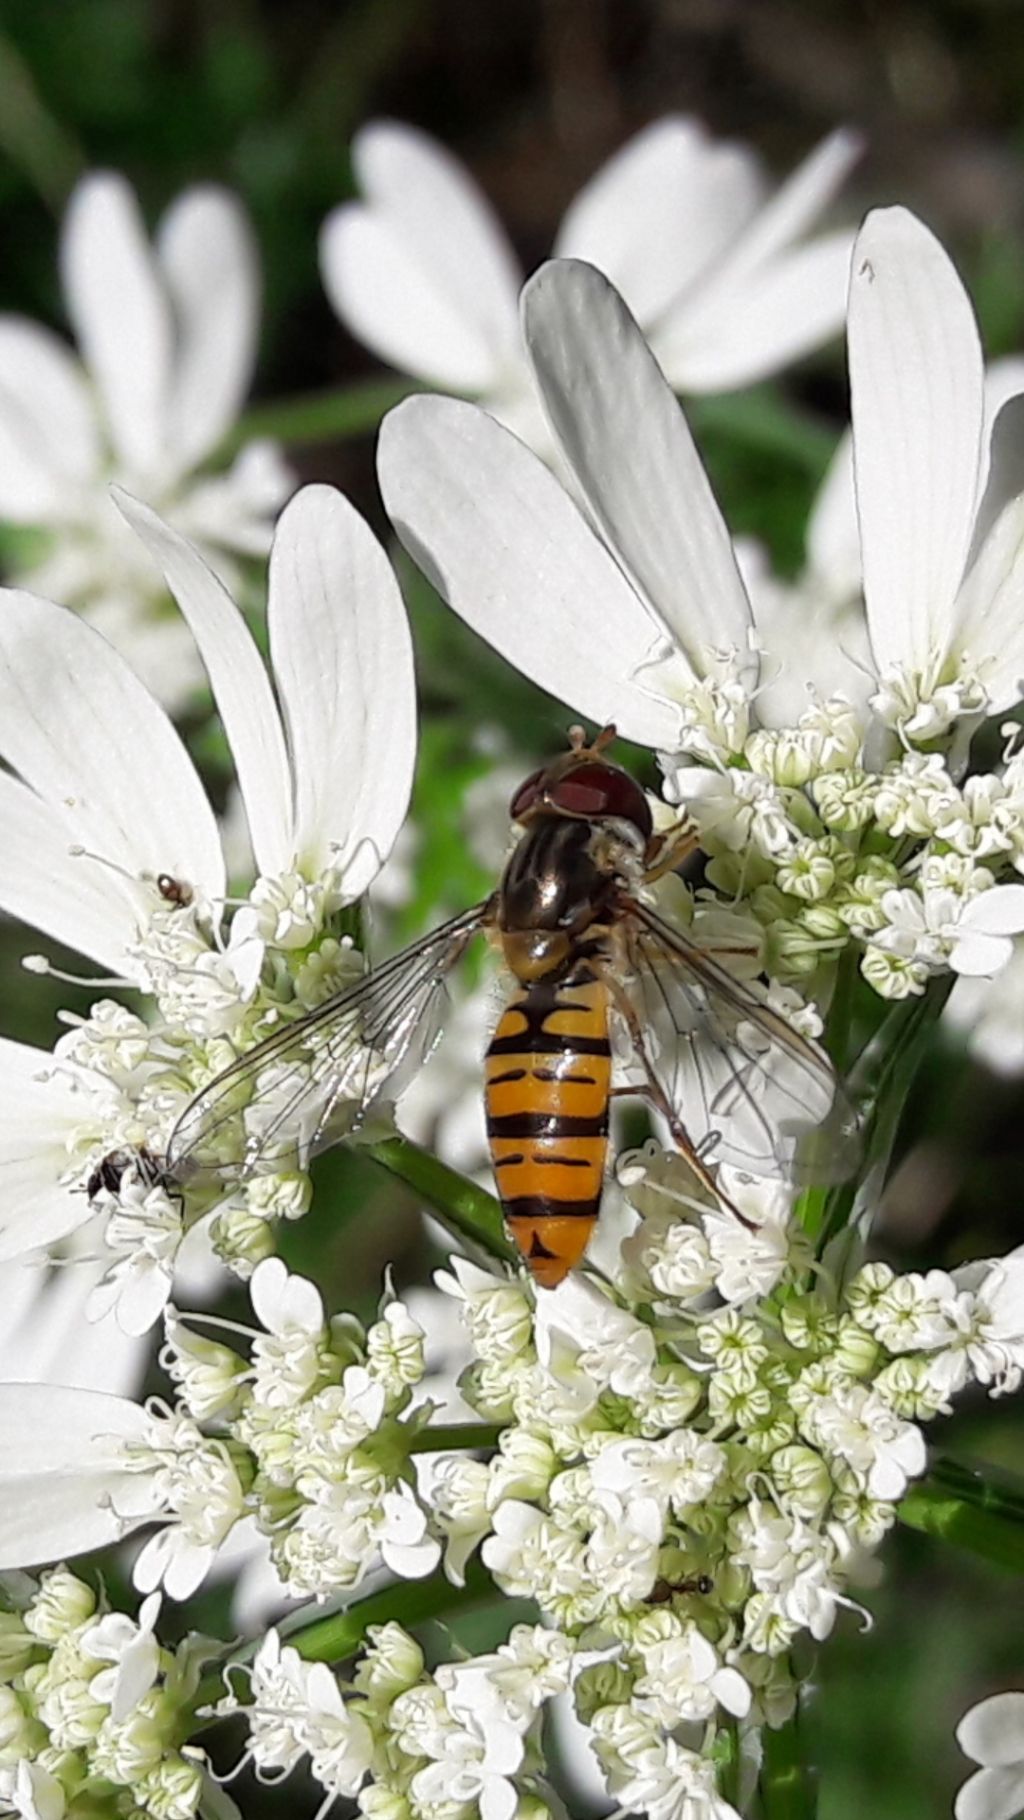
x: 310, y: 1082
x: 750, y: 1090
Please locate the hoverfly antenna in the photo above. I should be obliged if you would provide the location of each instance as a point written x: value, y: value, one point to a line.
x: 577, y: 738
x: 606, y: 737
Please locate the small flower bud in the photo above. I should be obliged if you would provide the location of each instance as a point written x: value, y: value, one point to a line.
x: 808, y: 1324
x: 207, y: 1373
x: 802, y: 1480
x: 379, y: 1801
x: 807, y: 872
x: 172, y: 1790
x: 393, y: 1662
x: 286, y: 1196
x: 855, y: 1350
x: 62, y: 1602
x: 242, y: 1239
x: 16, y: 1645
x: 866, y: 1290
x: 824, y: 923
x: 603, y: 1684
x: 20, y: 1735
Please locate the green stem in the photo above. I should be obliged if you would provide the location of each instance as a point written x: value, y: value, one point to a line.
x: 981, y: 1511
x: 320, y: 416
x: 788, y: 1783
x: 456, y: 1437
x: 469, y: 1213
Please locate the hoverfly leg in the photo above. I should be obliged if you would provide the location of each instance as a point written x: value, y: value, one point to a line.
x: 669, y: 849
x: 694, y: 1154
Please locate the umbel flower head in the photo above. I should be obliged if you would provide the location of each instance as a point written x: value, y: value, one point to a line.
x: 112, y: 848
x: 167, y: 339
x: 718, y: 272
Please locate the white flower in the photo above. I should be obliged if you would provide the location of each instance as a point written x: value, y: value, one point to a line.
x: 167, y: 335
x: 683, y: 1678
x: 855, y: 1423
x: 716, y: 270
x: 296, y: 1708
x: 750, y: 1259
x: 940, y: 522
x: 288, y: 1358
x: 588, y: 1344
x: 32, y: 1792
x: 133, y: 1652
x: 633, y: 616
x: 650, y: 1773
x: 80, y: 1470
x: 476, y: 1744
x: 677, y: 1470
x: 992, y: 1733
x: 99, y: 811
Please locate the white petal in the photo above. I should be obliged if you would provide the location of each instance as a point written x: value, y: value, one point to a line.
x: 61, y: 1466
x: 37, y: 1117
x: 48, y: 435
x: 500, y: 540
x: 799, y: 201
x: 732, y: 1691
x: 281, y: 1301
x: 85, y: 734
x: 422, y: 272
x: 746, y: 328
x: 999, y: 911
x: 627, y: 441
x: 47, y: 1339
x: 991, y: 1794
x: 342, y: 661
x: 1003, y: 452
x: 990, y: 610
x: 916, y: 385
x: 120, y: 314
x: 86, y: 906
x: 660, y: 211
x: 238, y: 678
x: 208, y: 258
x: 993, y: 1731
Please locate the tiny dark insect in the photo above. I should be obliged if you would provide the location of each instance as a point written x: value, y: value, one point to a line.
x: 733, y: 1081
x: 109, y: 1172
x: 663, y: 1590
x: 174, y: 890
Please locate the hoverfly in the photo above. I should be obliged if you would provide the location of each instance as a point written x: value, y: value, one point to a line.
x: 733, y: 1080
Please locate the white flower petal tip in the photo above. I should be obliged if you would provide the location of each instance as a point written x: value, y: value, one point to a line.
x: 421, y: 270
x: 341, y: 652
x: 983, y: 943
x: 504, y: 545
x: 627, y: 441
x: 64, y: 1471
x: 917, y: 402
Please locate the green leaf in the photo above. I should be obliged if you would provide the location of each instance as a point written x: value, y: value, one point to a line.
x: 470, y: 1214
x: 320, y: 416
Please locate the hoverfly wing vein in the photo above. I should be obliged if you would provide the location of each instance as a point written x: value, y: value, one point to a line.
x: 769, y: 1093
x: 348, y: 1047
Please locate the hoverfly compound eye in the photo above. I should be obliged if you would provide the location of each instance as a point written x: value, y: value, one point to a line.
x: 603, y: 790
x: 526, y: 796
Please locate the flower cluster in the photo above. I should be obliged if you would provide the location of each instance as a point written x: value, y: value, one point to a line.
x: 141, y: 887
x: 310, y: 1436
x: 91, y: 1704
x: 466, y: 1736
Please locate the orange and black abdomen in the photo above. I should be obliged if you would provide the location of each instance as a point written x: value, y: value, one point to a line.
x: 547, y: 1091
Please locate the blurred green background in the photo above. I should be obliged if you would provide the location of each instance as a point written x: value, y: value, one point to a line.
x: 533, y: 95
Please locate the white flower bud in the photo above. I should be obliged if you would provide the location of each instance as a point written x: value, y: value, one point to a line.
x: 380, y: 1801
x: 845, y: 799
x: 286, y: 1196
x: 394, y: 1349
x: 892, y: 975
x: 20, y: 1734
x: 802, y: 1480
x: 856, y: 1351
x: 62, y: 1602
x: 393, y: 1662
x: 807, y: 871
x: 808, y: 1324
x: 16, y: 1645
x: 242, y: 1239
x: 207, y: 1373
x: 172, y: 1790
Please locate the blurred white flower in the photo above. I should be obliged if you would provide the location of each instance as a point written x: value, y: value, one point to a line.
x: 642, y: 603
x: 718, y: 271
x: 992, y: 1733
x: 167, y: 337
x: 991, y: 1016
